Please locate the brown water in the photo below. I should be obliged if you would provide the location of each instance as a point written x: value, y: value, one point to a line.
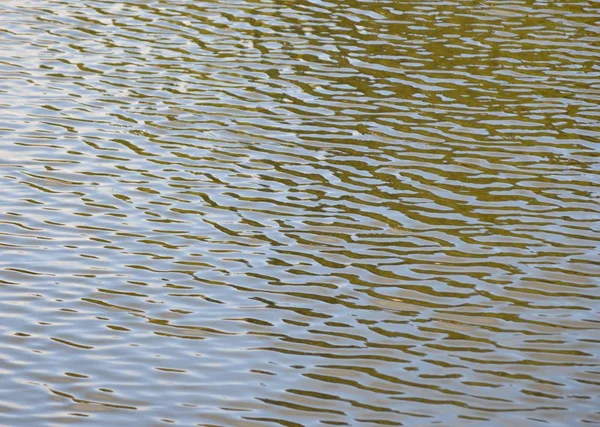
x: 287, y: 213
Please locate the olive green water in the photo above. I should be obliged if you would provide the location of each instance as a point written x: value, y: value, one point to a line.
x: 289, y: 213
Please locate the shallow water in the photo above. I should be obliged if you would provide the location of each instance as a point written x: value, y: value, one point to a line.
x: 277, y: 212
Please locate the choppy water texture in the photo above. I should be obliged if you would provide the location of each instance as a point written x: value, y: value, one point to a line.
x: 293, y: 212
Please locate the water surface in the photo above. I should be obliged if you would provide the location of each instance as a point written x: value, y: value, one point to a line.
x: 288, y: 213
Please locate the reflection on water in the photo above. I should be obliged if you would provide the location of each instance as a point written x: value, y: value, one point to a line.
x: 277, y: 212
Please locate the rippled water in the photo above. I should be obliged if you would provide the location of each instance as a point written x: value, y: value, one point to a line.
x: 277, y: 212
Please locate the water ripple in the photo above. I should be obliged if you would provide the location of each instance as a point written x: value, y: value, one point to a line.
x: 299, y: 213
